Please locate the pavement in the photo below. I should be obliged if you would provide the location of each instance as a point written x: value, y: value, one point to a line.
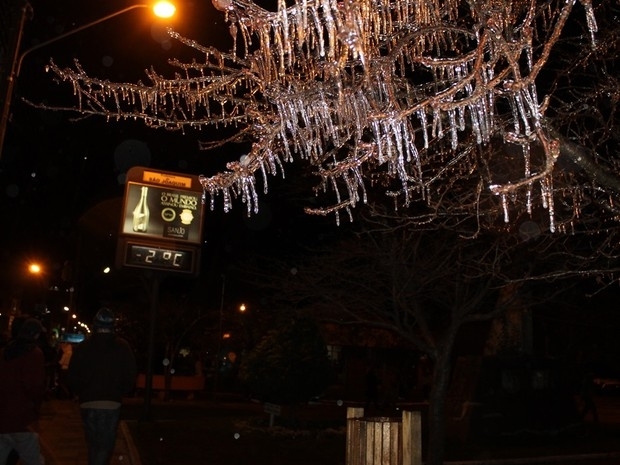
x: 62, y: 437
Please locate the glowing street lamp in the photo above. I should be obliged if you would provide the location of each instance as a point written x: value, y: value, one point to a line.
x: 164, y: 9
x: 35, y: 268
x: 161, y: 9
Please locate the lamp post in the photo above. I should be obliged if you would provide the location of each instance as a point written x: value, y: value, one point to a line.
x: 162, y: 9
x: 220, y: 335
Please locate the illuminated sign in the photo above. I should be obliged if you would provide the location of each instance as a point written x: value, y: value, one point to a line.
x: 167, y: 179
x: 156, y: 212
x: 161, y: 222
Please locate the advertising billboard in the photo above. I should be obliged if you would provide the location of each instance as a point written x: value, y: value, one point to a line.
x: 161, y: 223
x: 162, y: 212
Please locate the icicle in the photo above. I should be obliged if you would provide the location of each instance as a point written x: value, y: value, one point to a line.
x: 528, y: 199
x: 285, y: 42
x: 461, y: 118
x: 523, y: 114
x: 551, y: 212
x: 505, y: 208
x: 453, y: 129
x: 525, y: 147
x: 423, y: 122
x: 590, y: 20
x: 475, y: 122
x: 437, y: 129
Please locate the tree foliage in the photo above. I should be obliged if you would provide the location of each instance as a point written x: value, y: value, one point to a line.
x: 289, y: 365
x: 455, y: 108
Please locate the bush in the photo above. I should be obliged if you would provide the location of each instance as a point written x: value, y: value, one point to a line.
x: 289, y: 365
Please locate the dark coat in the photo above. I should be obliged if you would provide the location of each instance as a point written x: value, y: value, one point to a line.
x: 22, y: 385
x: 103, y: 367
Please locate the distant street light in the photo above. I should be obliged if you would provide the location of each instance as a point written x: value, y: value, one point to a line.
x: 161, y: 9
x: 34, y: 268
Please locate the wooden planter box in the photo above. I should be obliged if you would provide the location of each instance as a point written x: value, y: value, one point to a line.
x: 383, y: 440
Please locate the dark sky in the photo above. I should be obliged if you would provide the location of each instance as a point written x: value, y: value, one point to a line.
x: 62, y: 178
x: 59, y: 167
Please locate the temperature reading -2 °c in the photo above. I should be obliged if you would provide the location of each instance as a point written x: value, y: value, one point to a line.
x: 160, y: 258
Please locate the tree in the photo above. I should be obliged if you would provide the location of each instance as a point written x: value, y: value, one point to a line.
x: 471, y: 115
x: 422, y: 287
x: 182, y: 320
x: 438, y: 104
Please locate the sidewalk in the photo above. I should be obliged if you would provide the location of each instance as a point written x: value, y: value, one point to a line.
x: 226, y: 432
x: 62, y: 437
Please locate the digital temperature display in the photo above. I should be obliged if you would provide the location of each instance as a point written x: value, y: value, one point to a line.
x: 160, y: 258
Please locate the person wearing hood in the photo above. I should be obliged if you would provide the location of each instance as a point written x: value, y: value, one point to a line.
x: 22, y: 390
x: 101, y: 371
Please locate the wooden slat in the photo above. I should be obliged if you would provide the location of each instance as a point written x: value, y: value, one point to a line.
x: 382, y: 440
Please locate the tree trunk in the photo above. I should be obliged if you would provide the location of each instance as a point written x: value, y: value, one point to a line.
x: 437, y: 403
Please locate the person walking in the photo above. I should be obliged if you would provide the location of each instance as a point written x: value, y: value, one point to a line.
x: 22, y: 390
x: 102, y: 369
x: 66, y: 351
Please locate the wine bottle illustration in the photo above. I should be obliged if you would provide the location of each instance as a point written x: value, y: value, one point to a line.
x: 141, y: 212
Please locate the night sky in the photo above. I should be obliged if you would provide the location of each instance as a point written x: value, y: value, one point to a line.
x: 62, y: 177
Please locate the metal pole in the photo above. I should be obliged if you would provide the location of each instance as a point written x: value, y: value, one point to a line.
x: 26, y: 14
x: 148, y: 381
x: 216, y: 379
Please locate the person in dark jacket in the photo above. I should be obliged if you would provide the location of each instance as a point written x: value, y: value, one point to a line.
x: 101, y: 371
x: 22, y: 389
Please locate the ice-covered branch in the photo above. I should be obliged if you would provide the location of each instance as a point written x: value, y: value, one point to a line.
x: 363, y: 89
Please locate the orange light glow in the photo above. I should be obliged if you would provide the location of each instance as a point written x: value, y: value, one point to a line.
x: 164, y: 9
x: 34, y: 268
